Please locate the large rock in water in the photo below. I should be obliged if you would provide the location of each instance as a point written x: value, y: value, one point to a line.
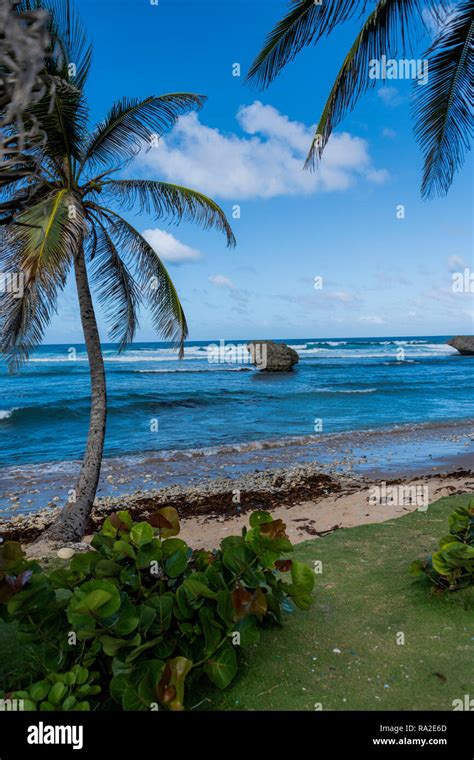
x: 269, y: 356
x: 464, y: 344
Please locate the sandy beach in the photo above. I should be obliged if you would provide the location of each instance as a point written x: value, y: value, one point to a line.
x: 310, y: 502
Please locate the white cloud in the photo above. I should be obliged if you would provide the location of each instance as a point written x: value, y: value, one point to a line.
x: 390, y: 96
x: 340, y: 295
x: 455, y: 263
x: 221, y: 281
x: 169, y: 248
x: 267, y: 161
x: 373, y: 320
x: 378, y: 176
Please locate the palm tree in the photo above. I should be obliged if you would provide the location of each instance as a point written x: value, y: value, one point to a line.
x: 69, y: 222
x: 443, y: 125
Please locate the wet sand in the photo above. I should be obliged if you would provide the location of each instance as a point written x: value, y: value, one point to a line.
x: 405, y: 451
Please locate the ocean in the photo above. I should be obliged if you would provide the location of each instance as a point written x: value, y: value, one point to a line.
x: 171, y: 410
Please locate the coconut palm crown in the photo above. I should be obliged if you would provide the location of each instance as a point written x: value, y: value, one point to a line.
x: 67, y: 217
x: 442, y: 108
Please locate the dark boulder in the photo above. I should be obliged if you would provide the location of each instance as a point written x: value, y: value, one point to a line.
x: 269, y: 356
x: 463, y: 343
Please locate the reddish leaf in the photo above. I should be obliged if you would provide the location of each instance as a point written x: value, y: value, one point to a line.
x: 246, y: 603
x: 117, y: 523
x: 274, y: 529
x: 166, y: 520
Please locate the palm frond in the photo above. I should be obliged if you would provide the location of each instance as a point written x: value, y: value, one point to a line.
x: 155, y: 285
x: 116, y: 289
x: 61, y: 112
x: 63, y: 119
x: 132, y: 121
x: 174, y: 202
x: 387, y: 31
x: 304, y: 24
x: 38, y: 249
x: 70, y: 48
x: 442, y: 107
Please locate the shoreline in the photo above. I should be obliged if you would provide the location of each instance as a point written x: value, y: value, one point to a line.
x: 407, y: 450
x: 315, y: 503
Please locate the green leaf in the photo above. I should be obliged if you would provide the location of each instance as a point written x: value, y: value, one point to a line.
x: 149, y: 553
x: 141, y: 534
x: 106, y: 568
x: 28, y: 705
x: 196, y: 588
x: 176, y: 564
x: 163, y: 607
x: 69, y: 703
x: 249, y: 632
x: 176, y: 554
x: 108, y: 529
x: 302, y: 586
x: 224, y: 606
x: 147, y: 615
x: 231, y: 541
x: 112, y: 645
x: 302, y: 576
x: 84, y: 562
x: 132, y: 702
x: 123, y: 548
x: 92, y: 602
x: 221, y: 668
x: 235, y: 559
x: 257, y: 518
x: 47, y: 707
x: 171, y: 545
x: 39, y: 690
x: 184, y: 609
x: 82, y: 674
x: 118, y: 686
x: 459, y: 521
x: 128, y: 618
x: 148, y: 677
x: 93, y: 599
x: 164, y: 648
x: 57, y: 693
x: 213, y: 631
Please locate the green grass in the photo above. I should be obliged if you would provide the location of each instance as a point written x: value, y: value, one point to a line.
x: 362, y: 600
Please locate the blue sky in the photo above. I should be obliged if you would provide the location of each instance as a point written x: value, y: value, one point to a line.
x: 381, y: 275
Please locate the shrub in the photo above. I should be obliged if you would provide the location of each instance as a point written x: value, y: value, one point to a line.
x: 139, y: 619
x: 452, y: 566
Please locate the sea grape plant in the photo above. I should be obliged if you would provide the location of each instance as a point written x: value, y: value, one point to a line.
x: 452, y: 566
x: 62, y: 692
x: 144, y: 616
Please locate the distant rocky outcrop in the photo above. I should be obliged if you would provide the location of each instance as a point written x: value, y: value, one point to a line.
x: 269, y: 356
x: 463, y: 343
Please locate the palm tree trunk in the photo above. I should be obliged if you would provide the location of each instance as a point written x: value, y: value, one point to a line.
x: 71, y: 523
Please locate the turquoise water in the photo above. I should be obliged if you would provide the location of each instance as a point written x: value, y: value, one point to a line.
x: 160, y: 404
